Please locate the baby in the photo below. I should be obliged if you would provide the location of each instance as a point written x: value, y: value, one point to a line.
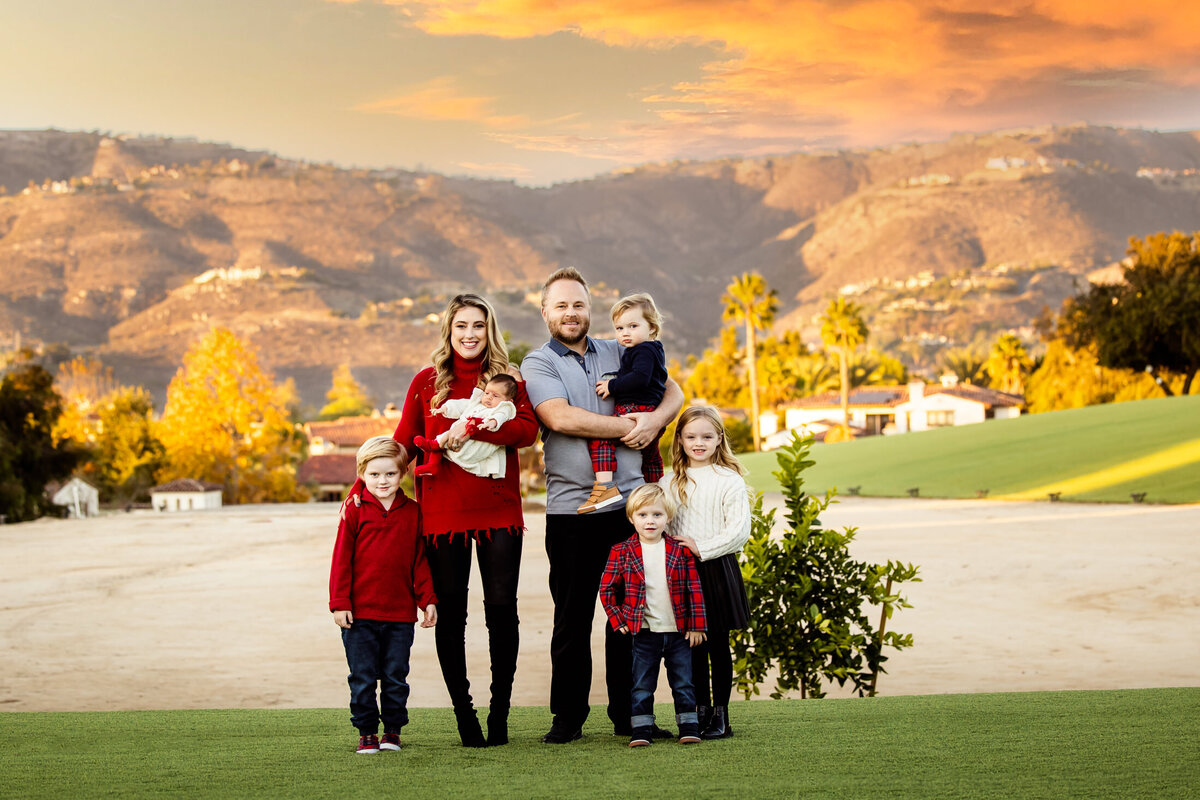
x: 486, y: 409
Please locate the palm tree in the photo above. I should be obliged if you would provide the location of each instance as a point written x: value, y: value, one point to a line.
x: 966, y: 365
x: 843, y: 329
x: 749, y: 301
x: 1008, y: 364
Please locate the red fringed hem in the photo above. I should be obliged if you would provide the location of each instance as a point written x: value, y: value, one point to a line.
x: 477, y: 534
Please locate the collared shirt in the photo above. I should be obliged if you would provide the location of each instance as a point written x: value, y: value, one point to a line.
x: 623, y: 587
x: 556, y: 371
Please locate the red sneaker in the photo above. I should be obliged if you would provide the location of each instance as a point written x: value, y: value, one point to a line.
x: 390, y: 741
x: 368, y: 745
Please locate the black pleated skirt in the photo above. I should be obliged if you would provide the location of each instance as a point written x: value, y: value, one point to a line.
x: 724, y: 593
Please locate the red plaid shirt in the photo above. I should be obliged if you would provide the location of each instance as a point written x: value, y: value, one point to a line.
x: 623, y: 587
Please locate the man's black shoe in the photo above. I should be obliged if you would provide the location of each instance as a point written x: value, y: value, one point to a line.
x: 558, y: 735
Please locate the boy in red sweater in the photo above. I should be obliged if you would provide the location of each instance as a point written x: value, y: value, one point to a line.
x: 378, y: 580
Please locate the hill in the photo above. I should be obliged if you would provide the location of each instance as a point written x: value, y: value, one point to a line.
x: 131, y: 247
x: 1100, y: 453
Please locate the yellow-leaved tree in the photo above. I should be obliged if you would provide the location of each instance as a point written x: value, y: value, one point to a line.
x: 227, y: 422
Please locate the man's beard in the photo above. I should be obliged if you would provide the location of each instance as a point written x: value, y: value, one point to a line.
x: 556, y: 331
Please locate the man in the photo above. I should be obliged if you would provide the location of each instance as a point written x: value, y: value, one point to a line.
x: 561, y: 380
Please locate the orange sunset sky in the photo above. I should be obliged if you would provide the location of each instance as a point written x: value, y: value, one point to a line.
x: 542, y: 91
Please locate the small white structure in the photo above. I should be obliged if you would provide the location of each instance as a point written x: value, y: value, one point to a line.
x: 80, y: 498
x: 185, y: 494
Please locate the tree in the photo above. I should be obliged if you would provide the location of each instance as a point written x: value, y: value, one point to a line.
x: 716, y: 377
x: 30, y: 458
x: 749, y: 301
x: 126, y: 453
x: 809, y: 600
x: 1007, y: 365
x: 843, y: 329
x: 966, y: 365
x: 1150, y: 321
x: 225, y: 422
x: 346, y: 397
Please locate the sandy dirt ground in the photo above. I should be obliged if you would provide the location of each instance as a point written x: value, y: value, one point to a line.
x: 227, y: 609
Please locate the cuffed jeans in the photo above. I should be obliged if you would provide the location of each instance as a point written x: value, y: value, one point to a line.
x: 377, y: 652
x: 651, y: 648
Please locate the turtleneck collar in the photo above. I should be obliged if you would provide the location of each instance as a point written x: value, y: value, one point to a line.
x: 466, y: 369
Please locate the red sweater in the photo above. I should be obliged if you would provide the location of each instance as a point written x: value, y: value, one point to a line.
x: 379, y: 569
x: 452, y: 499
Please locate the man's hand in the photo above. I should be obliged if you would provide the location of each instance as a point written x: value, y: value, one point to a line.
x: 694, y: 638
x: 343, y: 619
x: 602, y: 388
x: 643, y: 431
x: 430, y: 616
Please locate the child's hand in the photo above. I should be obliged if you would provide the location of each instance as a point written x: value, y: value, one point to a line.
x: 694, y: 638
x: 689, y: 543
x: 492, y: 424
x: 622, y: 629
x: 343, y: 619
x: 602, y: 389
x: 430, y: 616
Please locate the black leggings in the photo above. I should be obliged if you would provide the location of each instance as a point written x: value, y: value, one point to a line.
x: 499, y: 568
x: 714, y: 649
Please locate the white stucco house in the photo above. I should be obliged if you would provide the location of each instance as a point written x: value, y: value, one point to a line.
x: 185, y: 494
x: 896, y: 409
x: 80, y: 498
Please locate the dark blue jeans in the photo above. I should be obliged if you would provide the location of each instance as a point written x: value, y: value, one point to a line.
x: 649, y: 650
x: 377, y: 652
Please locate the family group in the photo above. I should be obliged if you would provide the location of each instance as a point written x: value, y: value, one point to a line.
x: 659, y: 549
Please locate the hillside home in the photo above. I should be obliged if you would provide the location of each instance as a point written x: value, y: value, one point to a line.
x: 332, y: 446
x: 899, y: 409
x: 185, y: 494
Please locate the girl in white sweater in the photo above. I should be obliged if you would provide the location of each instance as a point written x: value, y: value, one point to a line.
x: 713, y: 521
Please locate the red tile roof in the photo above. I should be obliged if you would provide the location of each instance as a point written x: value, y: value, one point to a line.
x: 335, y: 468
x: 895, y: 395
x: 351, y: 431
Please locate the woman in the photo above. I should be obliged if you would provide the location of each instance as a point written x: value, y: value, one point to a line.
x: 461, y: 511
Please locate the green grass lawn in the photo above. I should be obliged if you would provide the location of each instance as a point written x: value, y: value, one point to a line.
x: 1119, y: 744
x: 1100, y: 453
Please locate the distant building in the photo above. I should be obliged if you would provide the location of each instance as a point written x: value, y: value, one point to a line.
x: 332, y: 475
x: 332, y: 446
x: 79, y: 497
x: 899, y: 409
x: 185, y: 494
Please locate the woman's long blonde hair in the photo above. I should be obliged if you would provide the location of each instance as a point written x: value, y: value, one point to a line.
x: 495, y: 356
x: 679, y: 461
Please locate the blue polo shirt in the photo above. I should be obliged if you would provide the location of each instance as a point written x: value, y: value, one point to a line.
x: 556, y: 371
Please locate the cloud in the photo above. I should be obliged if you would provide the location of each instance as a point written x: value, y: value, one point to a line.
x: 863, y: 71
x: 440, y: 100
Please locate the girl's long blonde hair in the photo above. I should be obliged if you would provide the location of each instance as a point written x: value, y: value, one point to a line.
x: 495, y: 356
x: 679, y: 461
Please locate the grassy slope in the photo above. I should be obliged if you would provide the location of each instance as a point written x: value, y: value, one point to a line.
x: 1100, y: 453
x: 1139, y: 743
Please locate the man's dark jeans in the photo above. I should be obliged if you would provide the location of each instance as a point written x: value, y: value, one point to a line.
x: 377, y: 652
x: 577, y: 546
x: 650, y: 649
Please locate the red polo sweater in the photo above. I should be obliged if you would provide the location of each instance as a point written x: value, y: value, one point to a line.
x: 379, y: 570
x: 453, y: 500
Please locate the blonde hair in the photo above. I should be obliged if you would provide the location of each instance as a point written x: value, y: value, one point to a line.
x: 495, y: 356
x: 648, y: 494
x: 564, y: 274
x: 723, y: 456
x: 380, y: 447
x: 644, y: 303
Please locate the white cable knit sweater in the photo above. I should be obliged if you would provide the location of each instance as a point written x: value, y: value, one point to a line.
x: 716, y: 513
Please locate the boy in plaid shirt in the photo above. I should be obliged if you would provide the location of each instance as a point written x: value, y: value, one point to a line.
x: 651, y: 591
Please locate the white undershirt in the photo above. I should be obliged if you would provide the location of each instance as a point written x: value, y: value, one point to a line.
x: 659, y: 614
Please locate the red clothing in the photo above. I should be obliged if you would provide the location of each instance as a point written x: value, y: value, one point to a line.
x: 623, y: 586
x: 379, y: 569
x: 453, y: 500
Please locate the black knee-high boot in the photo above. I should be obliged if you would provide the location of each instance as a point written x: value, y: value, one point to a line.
x: 450, y: 638
x: 503, y: 646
